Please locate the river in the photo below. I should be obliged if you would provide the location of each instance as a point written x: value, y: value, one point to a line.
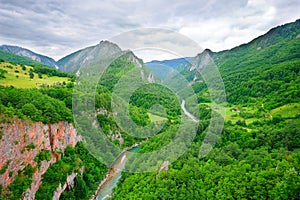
x: 112, y: 178
x: 114, y: 174
x: 187, y: 113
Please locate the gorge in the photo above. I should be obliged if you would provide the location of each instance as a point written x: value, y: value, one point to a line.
x: 21, y: 143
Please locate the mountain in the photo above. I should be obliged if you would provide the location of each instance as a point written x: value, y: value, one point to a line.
x: 72, y: 62
x: 177, y: 64
x: 164, y: 69
x: 257, y: 153
x: 260, y: 69
x: 29, y: 54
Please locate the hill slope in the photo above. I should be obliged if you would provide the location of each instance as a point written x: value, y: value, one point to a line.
x: 257, y: 154
x: 24, y: 76
x: 264, y: 70
x: 29, y: 54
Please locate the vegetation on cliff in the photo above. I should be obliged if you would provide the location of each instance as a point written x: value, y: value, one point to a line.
x: 73, y: 160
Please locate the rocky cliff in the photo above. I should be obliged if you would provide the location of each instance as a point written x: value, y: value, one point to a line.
x: 68, y: 185
x: 20, y: 143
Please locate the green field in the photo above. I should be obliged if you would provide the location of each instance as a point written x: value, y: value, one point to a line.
x: 156, y: 118
x: 230, y: 113
x: 19, y: 78
x: 287, y: 111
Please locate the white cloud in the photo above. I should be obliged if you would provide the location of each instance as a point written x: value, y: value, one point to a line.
x: 58, y: 27
x: 243, y: 25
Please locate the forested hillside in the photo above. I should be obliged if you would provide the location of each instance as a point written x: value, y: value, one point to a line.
x: 17, y: 59
x: 33, y: 97
x: 258, y: 153
x: 26, y: 53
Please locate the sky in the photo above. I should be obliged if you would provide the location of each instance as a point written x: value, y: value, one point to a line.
x: 57, y: 28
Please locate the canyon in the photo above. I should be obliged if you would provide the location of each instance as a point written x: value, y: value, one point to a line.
x: 21, y: 141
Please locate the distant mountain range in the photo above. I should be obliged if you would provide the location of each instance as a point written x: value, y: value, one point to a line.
x: 177, y: 64
x: 73, y: 61
x: 284, y: 38
x: 30, y: 54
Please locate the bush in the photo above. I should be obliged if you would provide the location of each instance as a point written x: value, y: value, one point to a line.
x: 4, y: 168
x: 2, y: 73
x: 30, y: 146
x: 21, y: 183
x: 11, y: 173
x: 31, y: 75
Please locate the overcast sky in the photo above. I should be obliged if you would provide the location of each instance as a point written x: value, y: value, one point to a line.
x: 59, y: 27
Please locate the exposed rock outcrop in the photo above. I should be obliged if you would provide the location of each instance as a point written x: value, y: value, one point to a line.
x: 23, y: 140
x: 69, y: 184
x: 163, y: 167
x: 150, y: 78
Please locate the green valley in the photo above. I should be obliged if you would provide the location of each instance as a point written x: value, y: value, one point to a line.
x: 258, y: 153
x: 77, y: 128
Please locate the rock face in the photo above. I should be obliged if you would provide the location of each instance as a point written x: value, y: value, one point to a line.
x: 163, y: 167
x: 68, y: 185
x: 23, y: 140
x: 73, y: 62
x: 151, y: 78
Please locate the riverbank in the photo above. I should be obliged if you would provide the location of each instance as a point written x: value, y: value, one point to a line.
x: 105, y: 188
x: 114, y: 172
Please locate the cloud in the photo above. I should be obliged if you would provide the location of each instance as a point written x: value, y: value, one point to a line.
x: 157, y: 43
x: 59, y: 27
x: 239, y: 27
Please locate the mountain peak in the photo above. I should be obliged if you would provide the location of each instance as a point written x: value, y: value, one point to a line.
x: 208, y: 51
x: 205, y: 52
x: 106, y: 42
x: 72, y: 62
x: 108, y: 47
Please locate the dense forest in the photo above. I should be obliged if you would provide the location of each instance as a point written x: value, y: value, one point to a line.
x: 48, y: 104
x: 35, y: 105
x: 79, y: 160
x: 257, y: 155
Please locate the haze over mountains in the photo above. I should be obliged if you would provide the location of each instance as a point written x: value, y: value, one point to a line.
x: 71, y: 62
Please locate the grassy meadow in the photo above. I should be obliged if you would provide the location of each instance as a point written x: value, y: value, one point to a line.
x: 18, y: 76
